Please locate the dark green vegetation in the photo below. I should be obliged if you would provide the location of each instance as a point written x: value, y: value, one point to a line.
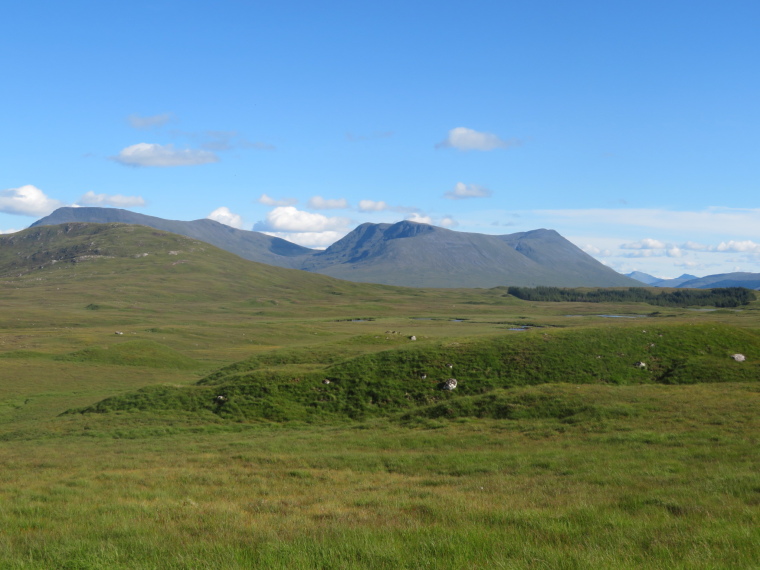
x: 405, y: 253
x: 554, y: 450
x: 728, y: 297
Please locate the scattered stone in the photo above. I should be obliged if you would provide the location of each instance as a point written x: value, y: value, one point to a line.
x: 220, y: 399
x: 640, y: 364
x: 449, y: 365
x: 412, y: 337
x: 738, y: 357
x: 119, y: 333
x: 423, y: 376
x: 449, y: 384
x: 325, y: 381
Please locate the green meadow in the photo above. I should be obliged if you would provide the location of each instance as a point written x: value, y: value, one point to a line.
x: 164, y: 404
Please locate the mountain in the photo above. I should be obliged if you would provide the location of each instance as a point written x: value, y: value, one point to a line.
x: 420, y: 255
x: 253, y: 246
x: 406, y: 253
x: 643, y: 277
x: 677, y: 282
x: 738, y: 279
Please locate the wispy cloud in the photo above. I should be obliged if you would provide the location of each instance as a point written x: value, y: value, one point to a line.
x: 156, y: 155
x: 226, y: 140
x: 224, y: 216
x: 116, y: 200
x: 462, y: 138
x: 382, y: 206
x: 268, y: 201
x: 462, y: 191
x: 646, y: 243
x: 372, y: 206
x: 27, y: 200
x: 149, y: 122
x: 740, y: 221
x: 319, y: 203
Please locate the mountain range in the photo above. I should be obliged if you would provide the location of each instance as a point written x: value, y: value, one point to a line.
x: 686, y: 281
x: 405, y: 253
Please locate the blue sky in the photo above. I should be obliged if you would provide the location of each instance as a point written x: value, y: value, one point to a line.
x: 629, y: 127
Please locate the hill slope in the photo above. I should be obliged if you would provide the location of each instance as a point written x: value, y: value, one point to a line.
x: 253, y: 246
x: 406, y: 253
x: 142, y: 263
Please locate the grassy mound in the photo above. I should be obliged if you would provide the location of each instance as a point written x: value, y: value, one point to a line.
x: 557, y: 401
x: 395, y: 381
x: 133, y: 353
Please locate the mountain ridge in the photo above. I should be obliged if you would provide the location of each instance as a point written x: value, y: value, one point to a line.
x: 405, y: 253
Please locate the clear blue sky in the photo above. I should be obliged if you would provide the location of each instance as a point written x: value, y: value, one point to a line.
x: 629, y: 127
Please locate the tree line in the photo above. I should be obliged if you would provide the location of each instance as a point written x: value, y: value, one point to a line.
x: 724, y: 297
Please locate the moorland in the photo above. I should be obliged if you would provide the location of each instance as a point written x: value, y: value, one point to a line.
x: 165, y: 404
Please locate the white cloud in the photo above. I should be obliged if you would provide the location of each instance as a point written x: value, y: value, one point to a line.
x: 316, y: 240
x: 463, y: 138
x: 9, y: 231
x: 372, y: 206
x: 646, y: 243
x: 147, y: 154
x: 267, y: 201
x: 319, y: 203
x: 116, y: 200
x: 747, y: 246
x: 674, y: 251
x: 462, y: 190
x: 419, y: 219
x: 694, y: 246
x: 448, y: 222
x: 642, y: 253
x: 27, y: 200
x: 290, y: 219
x: 138, y: 122
x: 596, y: 251
x: 224, y: 216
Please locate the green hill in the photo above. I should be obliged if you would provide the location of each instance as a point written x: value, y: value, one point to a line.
x: 409, y: 380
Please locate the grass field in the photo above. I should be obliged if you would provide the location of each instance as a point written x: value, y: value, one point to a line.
x: 554, y: 451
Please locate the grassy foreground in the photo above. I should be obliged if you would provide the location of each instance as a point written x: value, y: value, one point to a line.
x: 672, y: 482
x: 555, y: 451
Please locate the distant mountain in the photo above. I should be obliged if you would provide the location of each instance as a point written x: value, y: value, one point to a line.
x: 405, y: 253
x: 644, y: 277
x: 253, y: 246
x: 677, y: 282
x: 686, y: 281
x: 739, y: 279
